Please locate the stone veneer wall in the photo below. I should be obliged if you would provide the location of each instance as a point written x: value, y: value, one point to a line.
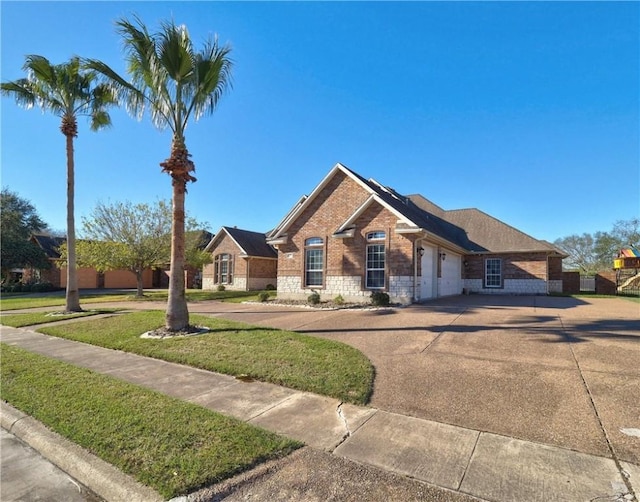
x: 258, y: 283
x: 349, y: 287
x: 511, y: 286
x: 555, y: 286
x: 239, y: 284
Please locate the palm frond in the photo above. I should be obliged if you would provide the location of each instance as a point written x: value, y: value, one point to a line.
x: 21, y: 90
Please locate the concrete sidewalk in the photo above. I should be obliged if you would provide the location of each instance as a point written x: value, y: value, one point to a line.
x: 484, y: 465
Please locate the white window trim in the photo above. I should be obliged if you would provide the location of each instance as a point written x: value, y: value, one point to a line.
x: 313, y: 244
x: 487, y: 275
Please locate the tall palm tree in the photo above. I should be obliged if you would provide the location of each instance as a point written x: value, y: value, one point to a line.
x: 66, y: 90
x: 176, y: 83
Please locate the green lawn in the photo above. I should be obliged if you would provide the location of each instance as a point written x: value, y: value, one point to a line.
x: 19, y: 301
x: 34, y: 318
x: 170, y: 445
x: 281, y: 357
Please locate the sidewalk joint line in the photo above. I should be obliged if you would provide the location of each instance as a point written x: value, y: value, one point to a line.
x: 623, y: 473
x: 466, y: 467
x: 275, y: 405
x: 351, y: 433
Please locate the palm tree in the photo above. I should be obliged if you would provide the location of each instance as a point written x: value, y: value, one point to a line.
x: 176, y: 83
x: 66, y: 90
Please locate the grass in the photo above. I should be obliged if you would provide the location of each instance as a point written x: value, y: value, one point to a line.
x: 632, y: 298
x: 170, y: 445
x: 281, y: 357
x: 34, y: 318
x: 19, y: 301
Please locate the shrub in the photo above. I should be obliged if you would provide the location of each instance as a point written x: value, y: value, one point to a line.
x: 314, y: 298
x: 221, y: 287
x: 42, y: 287
x: 270, y: 287
x: 379, y: 299
x: 263, y: 296
x: 338, y: 300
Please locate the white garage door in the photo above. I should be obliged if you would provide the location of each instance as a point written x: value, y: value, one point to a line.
x: 451, y: 278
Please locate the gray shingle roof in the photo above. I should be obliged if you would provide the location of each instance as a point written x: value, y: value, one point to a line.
x: 470, y: 229
x: 49, y: 244
x: 253, y: 243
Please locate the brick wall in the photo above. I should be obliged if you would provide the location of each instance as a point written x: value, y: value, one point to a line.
x: 344, y: 257
x: 522, y: 273
x: 126, y: 279
x: 555, y: 268
x: 262, y: 271
x: 606, y: 283
x: 87, y: 278
x: 571, y: 283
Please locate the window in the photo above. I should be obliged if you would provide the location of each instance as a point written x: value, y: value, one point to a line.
x: 223, y: 269
x: 313, y: 261
x: 375, y: 236
x: 375, y: 266
x: 493, y: 273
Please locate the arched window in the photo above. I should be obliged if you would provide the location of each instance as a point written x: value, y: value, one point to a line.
x: 223, y: 269
x: 313, y: 262
x: 375, y: 260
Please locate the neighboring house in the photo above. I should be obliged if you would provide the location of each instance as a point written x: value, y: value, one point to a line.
x: 50, y: 247
x: 353, y: 236
x: 88, y: 278
x: 242, y: 260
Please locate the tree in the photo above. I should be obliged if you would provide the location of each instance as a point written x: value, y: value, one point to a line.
x: 580, y: 251
x: 594, y: 253
x: 67, y: 91
x: 176, y: 83
x: 627, y: 232
x: 128, y: 236
x: 18, y: 221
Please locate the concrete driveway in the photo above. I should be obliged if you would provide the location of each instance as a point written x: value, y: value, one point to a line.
x: 553, y: 370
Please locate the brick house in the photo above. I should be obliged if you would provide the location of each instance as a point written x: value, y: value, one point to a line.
x: 88, y: 278
x: 353, y: 236
x: 242, y: 260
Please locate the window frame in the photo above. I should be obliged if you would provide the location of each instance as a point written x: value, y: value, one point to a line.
x: 218, y: 274
x: 314, y: 247
x: 375, y: 239
x: 491, y: 284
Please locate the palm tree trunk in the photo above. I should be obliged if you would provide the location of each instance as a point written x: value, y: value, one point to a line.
x: 139, y: 282
x: 72, y: 293
x: 177, y: 317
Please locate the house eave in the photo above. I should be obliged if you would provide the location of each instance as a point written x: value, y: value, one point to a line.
x: 344, y: 234
x: 283, y: 239
x: 410, y: 230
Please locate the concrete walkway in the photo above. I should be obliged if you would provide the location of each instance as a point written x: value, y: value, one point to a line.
x: 481, y: 464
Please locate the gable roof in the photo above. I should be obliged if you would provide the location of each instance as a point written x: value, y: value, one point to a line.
x: 486, y: 233
x: 464, y: 230
x: 250, y: 243
x: 49, y: 244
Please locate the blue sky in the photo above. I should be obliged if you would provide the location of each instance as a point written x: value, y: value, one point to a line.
x: 527, y: 111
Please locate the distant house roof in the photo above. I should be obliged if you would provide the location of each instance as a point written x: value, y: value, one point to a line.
x: 49, y: 244
x: 203, y: 238
x: 250, y: 243
x: 467, y: 230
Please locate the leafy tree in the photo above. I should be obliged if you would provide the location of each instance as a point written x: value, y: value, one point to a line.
x: 18, y: 221
x: 67, y: 91
x: 176, y: 83
x: 593, y: 253
x: 134, y: 237
x: 627, y: 232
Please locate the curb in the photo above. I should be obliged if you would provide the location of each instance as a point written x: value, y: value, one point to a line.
x: 100, y: 477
